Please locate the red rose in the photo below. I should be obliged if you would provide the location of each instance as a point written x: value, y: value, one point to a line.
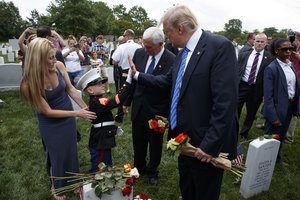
x: 126, y: 191
x: 143, y: 196
x: 130, y: 181
x: 180, y: 138
x: 154, y: 124
x: 276, y: 136
x: 161, y: 129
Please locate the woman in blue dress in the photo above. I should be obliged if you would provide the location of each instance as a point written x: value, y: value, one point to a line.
x: 46, y: 86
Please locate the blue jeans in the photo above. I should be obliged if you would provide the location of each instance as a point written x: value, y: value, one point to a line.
x: 73, y: 75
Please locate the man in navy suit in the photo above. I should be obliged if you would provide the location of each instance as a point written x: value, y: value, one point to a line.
x: 251, y: 80
x: 148, y: 102
x: 281, y: 92
x: 207, y: 100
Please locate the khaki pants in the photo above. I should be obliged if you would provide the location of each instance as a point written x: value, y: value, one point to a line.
x: 290, y: 132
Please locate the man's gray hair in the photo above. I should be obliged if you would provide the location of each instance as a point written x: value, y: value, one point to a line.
x: 155, y: 34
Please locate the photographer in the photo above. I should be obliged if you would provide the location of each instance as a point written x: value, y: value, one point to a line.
x: 102, y: 52
x: 294, y: 38
x: 72, y: 56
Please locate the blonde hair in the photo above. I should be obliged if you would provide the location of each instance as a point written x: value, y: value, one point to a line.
x: 72, y: 37
x: 35, y: 69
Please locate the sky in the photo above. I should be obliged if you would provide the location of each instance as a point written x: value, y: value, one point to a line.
x: 211, y: 14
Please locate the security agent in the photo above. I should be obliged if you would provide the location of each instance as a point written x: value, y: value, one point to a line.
x: 103, y: 130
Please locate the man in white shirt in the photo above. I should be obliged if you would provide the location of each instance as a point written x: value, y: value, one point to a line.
x: 120, y: 58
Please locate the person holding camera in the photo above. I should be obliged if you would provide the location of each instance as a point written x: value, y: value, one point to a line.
x: 295, y: 59
x: 102, y: 52
x: 72, y: 56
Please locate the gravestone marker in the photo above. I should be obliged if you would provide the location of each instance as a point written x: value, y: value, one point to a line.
x: 11, y: 57
x: 9, y: 49
x: 14, y: 44
x: 4, y: 50
x: 260, y: 163
x: 1, y: 60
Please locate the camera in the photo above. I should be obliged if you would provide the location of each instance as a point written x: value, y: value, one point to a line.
x: 292, y: 37
x: 76, y: 46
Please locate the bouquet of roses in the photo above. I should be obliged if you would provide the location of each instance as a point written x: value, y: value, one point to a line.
x: 103, y: 181
x: 158, y: 123
x: 182, y: 142
x: 174, y: 144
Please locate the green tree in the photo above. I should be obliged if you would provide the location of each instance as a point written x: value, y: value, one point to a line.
x: 139, y: 16
x: 270, y: 31
x: 72, y: 16
x: 34, y: 20
x: 10, y: 21
x: 120, y: 13
x: 119, y: 26
x: 103, y: 16
x: 233, y: 29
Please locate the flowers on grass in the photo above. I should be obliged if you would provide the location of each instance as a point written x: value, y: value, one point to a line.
x: 274, y: 136
x: 141, y: 196
x: 104, y: 181
x: 158, y: 124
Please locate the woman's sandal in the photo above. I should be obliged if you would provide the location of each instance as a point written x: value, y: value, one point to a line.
x: 56, y: 197
x: 79, y: 191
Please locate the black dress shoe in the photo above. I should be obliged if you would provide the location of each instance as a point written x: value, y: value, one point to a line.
x: 153, y: 181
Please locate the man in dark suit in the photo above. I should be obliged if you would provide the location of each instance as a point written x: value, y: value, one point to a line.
x: 251, y: 74
x: 249, y: 45
x: 281, y: 92
x: 206, y: 103
x: 148, y: 102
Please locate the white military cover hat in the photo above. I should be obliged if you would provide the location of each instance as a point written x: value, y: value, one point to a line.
x: 90, y: 76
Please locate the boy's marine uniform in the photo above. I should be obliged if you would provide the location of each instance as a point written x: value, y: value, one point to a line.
x: 103, y: 130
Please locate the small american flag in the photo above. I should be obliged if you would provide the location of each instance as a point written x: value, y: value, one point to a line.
x: 239, y: 158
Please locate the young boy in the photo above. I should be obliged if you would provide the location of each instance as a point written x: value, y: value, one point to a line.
x: 103, y: 130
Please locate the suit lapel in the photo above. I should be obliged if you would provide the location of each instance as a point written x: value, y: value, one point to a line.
x: 282, y: 77
x: 263, y: 63
x: 195, y: 57
x: 144, y: 61
x: 160, y: 65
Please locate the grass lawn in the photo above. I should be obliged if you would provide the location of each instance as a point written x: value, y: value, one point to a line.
x: 22, y: 161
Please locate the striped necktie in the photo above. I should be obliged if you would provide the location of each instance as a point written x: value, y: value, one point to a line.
x: 173, y: 113
x: 151, y: 66
x: 251, y: 78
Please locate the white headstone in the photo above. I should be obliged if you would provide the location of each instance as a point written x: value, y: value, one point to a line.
x: 260, y: 163
x: 1, y: 60
x: 4, y: 50
x: 11, y: 57
x: 116, y: 194
x: 14, y: 44
x: 9, y: 49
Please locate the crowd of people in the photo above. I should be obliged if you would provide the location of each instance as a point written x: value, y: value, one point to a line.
x: 195, y: 79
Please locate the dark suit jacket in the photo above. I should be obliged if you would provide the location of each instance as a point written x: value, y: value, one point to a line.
x: 266, y: 60
x: 245, y: 48
x: 153, y: 101
x: 207, y: 105
x: 276, y: 99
